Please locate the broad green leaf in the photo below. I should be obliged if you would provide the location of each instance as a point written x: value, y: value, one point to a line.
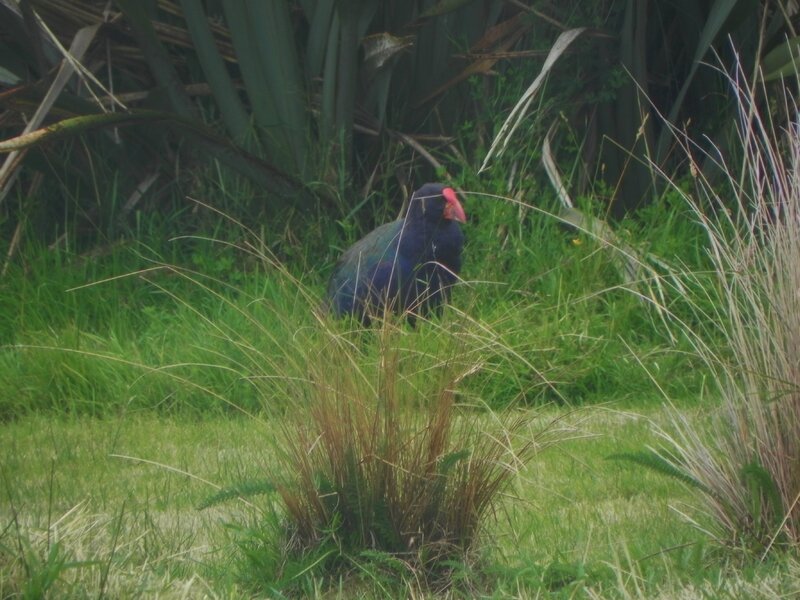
x: 309, y: 6
x: 157, y: 57
x: 782, y: 61
x: 346, y: 74
x: 632, y: 131
x: 658, y: 463
x: 762, y: 486
x: 230, y: 106
x: 327, y: 116
x: 346, y: 84
x: 448, y: 461
x: 321, y: 28
x: 271, y: 29
x: 262, y: 104
x: 241, y: 489
x: 718, y: 15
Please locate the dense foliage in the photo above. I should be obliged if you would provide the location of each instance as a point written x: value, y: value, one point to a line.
x: 330, y: 101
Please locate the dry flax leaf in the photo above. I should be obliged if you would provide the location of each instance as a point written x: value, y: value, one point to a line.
x: 633, y: 264
x: 507, y: 32
x: 518, y: 112
x: 80, y: 43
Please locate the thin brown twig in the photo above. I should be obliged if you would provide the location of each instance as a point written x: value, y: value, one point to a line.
x: 538, y: 13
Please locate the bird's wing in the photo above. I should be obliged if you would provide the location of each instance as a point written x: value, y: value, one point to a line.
x: 368, y: 263
x: 377, y: 246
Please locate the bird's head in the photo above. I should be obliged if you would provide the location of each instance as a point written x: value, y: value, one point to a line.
x: 434, y: 202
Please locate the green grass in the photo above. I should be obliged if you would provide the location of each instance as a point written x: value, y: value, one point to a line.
x: 119, y: 496
x: 84, y: 485
x: 196, y: 326
x: 122, y: 399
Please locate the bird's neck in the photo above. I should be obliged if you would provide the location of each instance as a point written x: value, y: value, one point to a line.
x: 416, y: 237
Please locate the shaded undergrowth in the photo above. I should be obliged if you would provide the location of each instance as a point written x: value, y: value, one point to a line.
x: 222, y: 326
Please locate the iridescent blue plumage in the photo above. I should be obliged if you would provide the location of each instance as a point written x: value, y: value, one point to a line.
x: 406, y: 265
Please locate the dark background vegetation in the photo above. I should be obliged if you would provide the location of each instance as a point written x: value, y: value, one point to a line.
x: 291, y: 128
x: 290, y: 115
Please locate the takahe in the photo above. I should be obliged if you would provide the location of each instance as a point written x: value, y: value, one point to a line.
x: 406, y: 265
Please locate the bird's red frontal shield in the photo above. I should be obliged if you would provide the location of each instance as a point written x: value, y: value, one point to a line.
x: 453, y: 209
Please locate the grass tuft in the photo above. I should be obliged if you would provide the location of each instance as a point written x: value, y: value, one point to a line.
x: 386, y: 471
x: 747, y: 458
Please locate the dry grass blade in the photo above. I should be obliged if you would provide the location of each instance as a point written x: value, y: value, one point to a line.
x: 749, y: 457
x: 86, y: 75
x: 553, y: 175
x: 501, y: 37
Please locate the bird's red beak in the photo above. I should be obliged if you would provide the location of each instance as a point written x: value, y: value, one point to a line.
x: 453, y: 209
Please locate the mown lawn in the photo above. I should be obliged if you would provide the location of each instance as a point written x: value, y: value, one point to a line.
x: 107, y: 507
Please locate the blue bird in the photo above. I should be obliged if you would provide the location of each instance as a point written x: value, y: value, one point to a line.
x: 407, y: 265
